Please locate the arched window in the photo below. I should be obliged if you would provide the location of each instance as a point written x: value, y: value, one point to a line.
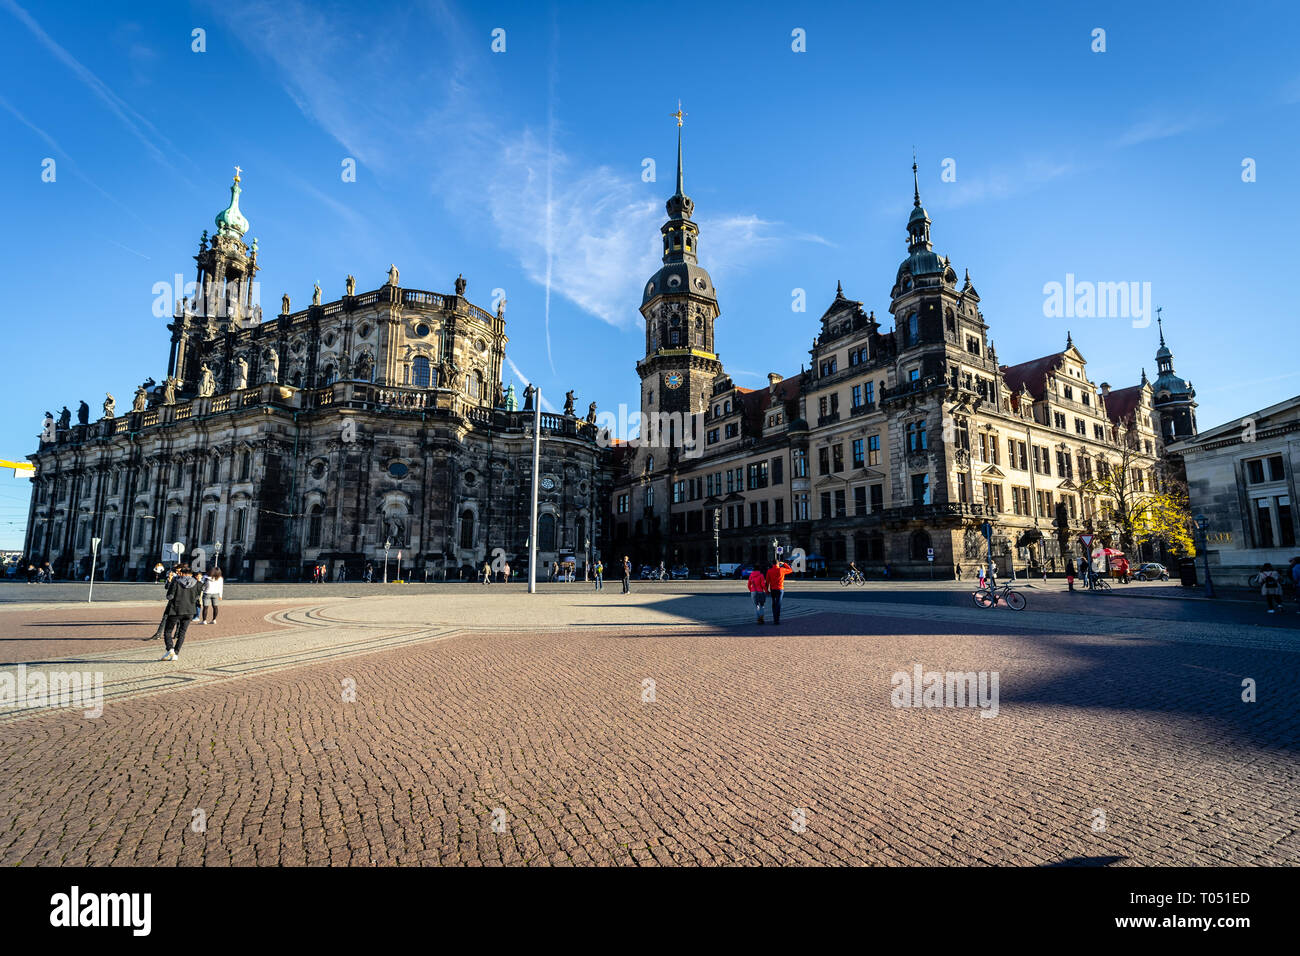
x: 920, y: 545
x: 546, y: 533
x: 420, y: 372
x: 296, y: 378
x: 314, y: 520
x: 246, y: 465
x: 467, y: 529
x: 214, y: 470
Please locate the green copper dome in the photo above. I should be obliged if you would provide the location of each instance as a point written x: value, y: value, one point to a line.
x: 230, y: 221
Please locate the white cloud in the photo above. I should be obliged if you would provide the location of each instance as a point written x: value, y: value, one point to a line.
x: 601, y: 240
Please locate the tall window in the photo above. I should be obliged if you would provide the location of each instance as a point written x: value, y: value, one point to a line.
x: 420, y: 372
x: 921, y: 489
x: 245, y: 465
x: 546, y: 532
x: 209, y: 526
x: 467, y: 529
x: 315, y: 518
x: 241, y: 525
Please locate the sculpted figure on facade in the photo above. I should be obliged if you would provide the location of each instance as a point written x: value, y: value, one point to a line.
x: 110, y: 405
x: 141, y: 400
x: 352, y: 285
x: 284, y: 304
x: 392, y: 275
x: 241, y: 372
x: 315, y: 294
x: 460, y: 285
x: 271, y: 368
x: 569, y: 403
x: 169, y: 391
x: 65, y: 419
x: 207, y: 382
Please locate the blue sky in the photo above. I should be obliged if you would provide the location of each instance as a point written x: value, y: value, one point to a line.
x: 523, y: 170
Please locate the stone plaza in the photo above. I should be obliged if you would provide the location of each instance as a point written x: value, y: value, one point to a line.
x: 481, y: 725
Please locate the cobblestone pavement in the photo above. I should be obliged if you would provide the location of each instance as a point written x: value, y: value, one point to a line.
x: 35, y: 633
x: 524, y: 730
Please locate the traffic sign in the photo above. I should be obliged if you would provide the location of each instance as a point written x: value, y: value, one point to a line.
x: 1086, y: 539
x: 929, y: 554
x: 780, y: 550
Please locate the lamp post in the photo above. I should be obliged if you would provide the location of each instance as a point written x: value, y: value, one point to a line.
x: 717, y: 529
x: 216, y: 556
x: 94, y: 559
x: 586, y: 546
x: 388, y: 543
x: 537, y: 468
x: 987, y: 528
x: 1202, y: 524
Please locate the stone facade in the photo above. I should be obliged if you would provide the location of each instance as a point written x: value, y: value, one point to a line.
x: 1242, y: 477
x: 316, y: 437
x: 893, y: 443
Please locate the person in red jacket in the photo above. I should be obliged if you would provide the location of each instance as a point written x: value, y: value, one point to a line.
x: 758, y: 588
x: 776, y: 587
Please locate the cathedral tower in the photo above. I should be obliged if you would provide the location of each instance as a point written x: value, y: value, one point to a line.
x: 1175, y: 399
x: 223, y: 300
x: 680, y: 306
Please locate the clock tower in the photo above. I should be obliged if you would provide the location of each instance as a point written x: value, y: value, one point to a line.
x: 680, y: 305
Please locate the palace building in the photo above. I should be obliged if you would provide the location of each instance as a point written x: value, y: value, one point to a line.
x: 339, y: 434
x: 893, y: 446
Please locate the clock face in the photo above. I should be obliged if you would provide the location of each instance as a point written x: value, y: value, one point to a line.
x: 673, y: 379
x: 548, y: 483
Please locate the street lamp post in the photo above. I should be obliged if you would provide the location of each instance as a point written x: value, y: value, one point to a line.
x: 586, y: 546
x: 94, y: 559
x: 1202, y: 525
x: 216, y: 556
x: 388, y: 543
x: 717, y: 527
x: 537, y: 468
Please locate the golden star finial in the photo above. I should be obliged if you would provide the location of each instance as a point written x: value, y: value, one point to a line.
x: 679, y: 114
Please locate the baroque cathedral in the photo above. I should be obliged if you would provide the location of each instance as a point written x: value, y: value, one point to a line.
x: 895, y: 445
x: 341, y: 434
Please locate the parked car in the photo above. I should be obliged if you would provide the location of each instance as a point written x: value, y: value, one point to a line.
x: 726, y: 569
x: 680, y: 573
x: 1152, y: 571
x: 744, y: 571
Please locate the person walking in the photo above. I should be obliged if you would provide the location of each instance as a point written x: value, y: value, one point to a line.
x: 979, y: 575
x: 600, y: 576
x: 958, y: 572
x: 758, y: 591
x: 487, y: 573
x: 776, y: 587
x: 1270, y: 587
x: 182, y: 597
x: 201, y: 579
x: 505, y: 573
x: 369, y: 576
x: 212, y: 591
x: 1121, y: 567
x: 627, y: 575
x: 1069, y: 572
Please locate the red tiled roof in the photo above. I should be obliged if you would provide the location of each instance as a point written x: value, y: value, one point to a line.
x: 1032, y: 374
x: 1121, y: 403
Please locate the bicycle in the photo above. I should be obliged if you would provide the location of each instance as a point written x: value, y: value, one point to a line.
x: 852, y: 577
x: 990, y: 595
x: 1097, y: 582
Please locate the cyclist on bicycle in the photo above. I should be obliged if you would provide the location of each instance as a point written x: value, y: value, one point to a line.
x: 854, y: 573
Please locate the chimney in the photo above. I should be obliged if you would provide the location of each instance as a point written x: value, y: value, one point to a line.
x: 772, y: 379
x: 1105, y: 389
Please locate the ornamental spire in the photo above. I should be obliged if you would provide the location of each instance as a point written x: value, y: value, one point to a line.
x: 230, y: 221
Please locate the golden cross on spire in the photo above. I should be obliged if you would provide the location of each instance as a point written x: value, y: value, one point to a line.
x: 679, y: 114
x: 237, y: 172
